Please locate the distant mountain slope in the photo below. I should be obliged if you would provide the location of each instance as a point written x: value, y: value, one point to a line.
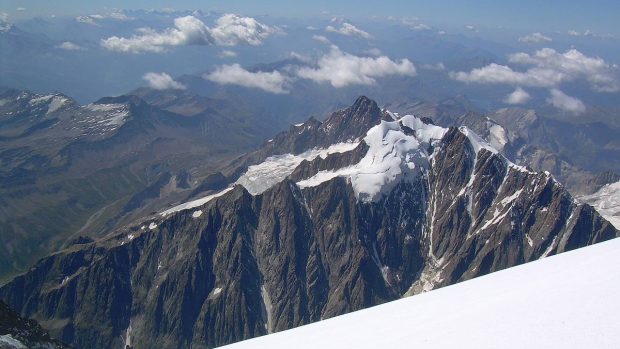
x: 68, y: 169
x: 326, y: 218
x: 551, y: 303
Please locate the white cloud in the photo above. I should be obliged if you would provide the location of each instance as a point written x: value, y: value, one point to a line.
x: 565, y: 102
x: 586, y: 32
x: 470, y: 27
x: 518, y: 96
x: 349, y: 30
x: 86, y: 20
x: 227, y: 54
x: 549, y: 68
x: 119, y: 16
x: 535, y: 38
x: 21, y: 9
x: 321, y: 39
x: 437, y: 67
x: 67, y: 45
x: 374, y: 51
x: 422, y: 26
x: 4, y: 17
x: 501, y: 74
x: 92, y: 19
x: 234, y: 74
x: 187, y: 30
x: 300, y: 57
x: 229, y: 30
x: 589, y: 33
x: 312, y: 28
x: 572, y: 65
x: 162, y: 81
x: 342, y: 69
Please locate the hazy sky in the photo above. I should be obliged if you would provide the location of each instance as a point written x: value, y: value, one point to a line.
x: 597, y: 15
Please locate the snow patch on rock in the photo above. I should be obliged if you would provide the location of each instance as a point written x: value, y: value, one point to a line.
x: 195, y: 203
x: 274, y: 169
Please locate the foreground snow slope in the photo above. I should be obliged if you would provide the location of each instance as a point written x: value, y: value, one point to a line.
x: 565, y: 301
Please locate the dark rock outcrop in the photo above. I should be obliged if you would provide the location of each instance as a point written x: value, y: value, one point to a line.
x: 17, y: 332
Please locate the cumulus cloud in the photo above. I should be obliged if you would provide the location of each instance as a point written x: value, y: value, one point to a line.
x: 349, y: 30
x: 229, y: 30
x: 518, y: 96
x: 421, y: 26
x: 574, y: 33
x: 273, y: 82
x: 589, y: 33
x: 321, y: 39
x: 437, y: 67
x: 119, y: 16
x: 414, y: 23
x: 548, y: 68
x: 535, y: 38
x: 21, y: 9
x: 69, y: 46
x: 374, y: 51
x: 342, y: 69
x: 162, y: 81
x: 565, y: 102
x: 300, y: 57
x: 572, y: 65
x: 227, y: 54
x: 86, y: 20
x: 92, y: 19
x: 4, y: 17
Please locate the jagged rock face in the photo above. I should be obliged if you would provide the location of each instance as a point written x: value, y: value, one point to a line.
x: 244, y: 265
x: 17, y: 332
x: 345, y: 125
x: 487, y: 215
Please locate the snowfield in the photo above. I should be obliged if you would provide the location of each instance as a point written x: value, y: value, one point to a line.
x: 607, y: 202
x: 565, y: 301
x: 392, y: 155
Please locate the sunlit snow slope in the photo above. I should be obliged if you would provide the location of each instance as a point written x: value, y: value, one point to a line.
x: 607, y: 202
x: 565, y: 301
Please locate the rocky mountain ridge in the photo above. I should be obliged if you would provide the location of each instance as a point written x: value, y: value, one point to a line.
x: 367, y: 207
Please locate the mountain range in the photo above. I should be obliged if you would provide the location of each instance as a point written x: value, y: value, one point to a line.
x: 70, y: 169
x: 326, y: 218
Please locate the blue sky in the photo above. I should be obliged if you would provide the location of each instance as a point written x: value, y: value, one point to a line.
x: 597, y: 15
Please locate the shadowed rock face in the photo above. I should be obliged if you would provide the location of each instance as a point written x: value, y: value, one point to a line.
x: 250, y: 265
x: 23, y: 332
